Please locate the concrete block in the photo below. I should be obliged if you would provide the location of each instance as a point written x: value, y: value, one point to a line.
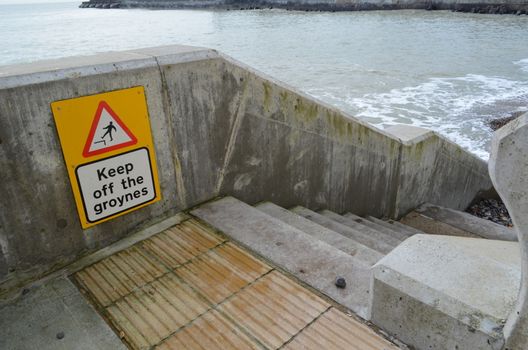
x: 442, y: 292
x: 508, y: 167
x: 312, y: 261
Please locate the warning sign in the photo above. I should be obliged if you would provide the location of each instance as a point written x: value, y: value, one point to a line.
x: 107, y: 133
x: 107, y: 146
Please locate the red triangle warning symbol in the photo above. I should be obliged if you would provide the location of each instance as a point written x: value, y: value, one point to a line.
x: 107, y: 133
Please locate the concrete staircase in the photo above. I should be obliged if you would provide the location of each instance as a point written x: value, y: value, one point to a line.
x: 316, y: 247
x: 389, y: 269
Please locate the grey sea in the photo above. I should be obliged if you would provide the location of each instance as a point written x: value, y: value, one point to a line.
x: 450, y: 72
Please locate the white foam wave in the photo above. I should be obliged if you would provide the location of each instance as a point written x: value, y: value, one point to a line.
x: 523, y: 63
x: 457, y: 108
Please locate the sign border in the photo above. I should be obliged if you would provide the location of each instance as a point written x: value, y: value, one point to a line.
x: 124, y: 210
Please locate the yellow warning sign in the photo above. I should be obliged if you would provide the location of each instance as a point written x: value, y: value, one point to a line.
x: 107, y: 146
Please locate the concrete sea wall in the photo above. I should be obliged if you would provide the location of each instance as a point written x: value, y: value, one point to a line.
x: 476, y: 6
x: 219, y: 128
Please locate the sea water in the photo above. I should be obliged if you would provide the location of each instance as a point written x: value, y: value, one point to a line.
x: 450, y: 72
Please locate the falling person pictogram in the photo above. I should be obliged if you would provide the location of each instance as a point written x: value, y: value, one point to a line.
x: 110, y: 128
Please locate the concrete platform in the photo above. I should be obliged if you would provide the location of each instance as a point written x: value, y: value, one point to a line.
x: 37, y: 320
x: 443, y: 292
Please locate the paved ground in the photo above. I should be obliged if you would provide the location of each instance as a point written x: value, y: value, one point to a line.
x: 185, y: 288
x: 189, y: 288
x: 57, y: 308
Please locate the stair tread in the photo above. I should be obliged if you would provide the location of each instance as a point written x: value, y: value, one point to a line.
x: 357, y: 250
x: 359, y: 236
x: 352, y: 219
x: 411, y: 229
x: 312, y: 261
x: 365, y: 226
x: 400, y: 232
x: 467, y: 222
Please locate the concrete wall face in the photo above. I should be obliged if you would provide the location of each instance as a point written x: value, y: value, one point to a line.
x: 219, y: 128
x: 39, y: 223
x: 435, y: 170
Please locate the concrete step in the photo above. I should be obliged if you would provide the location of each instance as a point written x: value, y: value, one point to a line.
x: 461, y: 221
x: 363, y: 237
x: 444, y: 292
x: 359, y: 251
x: 353, y: 219
x: 400, y: 232
x: 312, y: 261
x: 410, y: 229
x: 365, y: 226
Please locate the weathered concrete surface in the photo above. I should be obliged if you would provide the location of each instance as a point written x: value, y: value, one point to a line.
x: 358, y: 235
x: 35, y: 320
x: 359, y: 251
x: 434, y: 227
x: 467, y: 222
x: 312, y: 261
x: 403, y: 231
x: 353, y: 220
x: 378, y: 232
x: 442, y: 292
x: 509, y: 170
x: 219, y: 128
x: 39, y: 227
x: 443, y: 167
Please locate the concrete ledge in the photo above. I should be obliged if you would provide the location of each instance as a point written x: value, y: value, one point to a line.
x: 467, y: 222
x: 441, y: 292
x: 409, y: 134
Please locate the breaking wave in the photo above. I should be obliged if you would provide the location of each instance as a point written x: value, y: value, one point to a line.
x: 458, y: 108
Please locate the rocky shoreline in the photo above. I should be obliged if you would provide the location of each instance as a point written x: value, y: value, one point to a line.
x: 517, y: 8
x: 493, y: 210
x: 498, y: 123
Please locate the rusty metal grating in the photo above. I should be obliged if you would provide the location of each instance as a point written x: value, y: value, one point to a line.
x: 189, y: 288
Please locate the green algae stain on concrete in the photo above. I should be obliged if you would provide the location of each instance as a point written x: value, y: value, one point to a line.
x: 306, y: 110
x: 267, y: 96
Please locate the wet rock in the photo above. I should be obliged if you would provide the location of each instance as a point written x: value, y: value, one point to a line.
x: 500, y: 122
x: 493, y: 210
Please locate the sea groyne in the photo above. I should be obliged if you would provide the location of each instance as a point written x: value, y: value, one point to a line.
x: 519, y: 7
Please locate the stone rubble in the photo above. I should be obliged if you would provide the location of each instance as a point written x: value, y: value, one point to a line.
x: 493, y: 210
